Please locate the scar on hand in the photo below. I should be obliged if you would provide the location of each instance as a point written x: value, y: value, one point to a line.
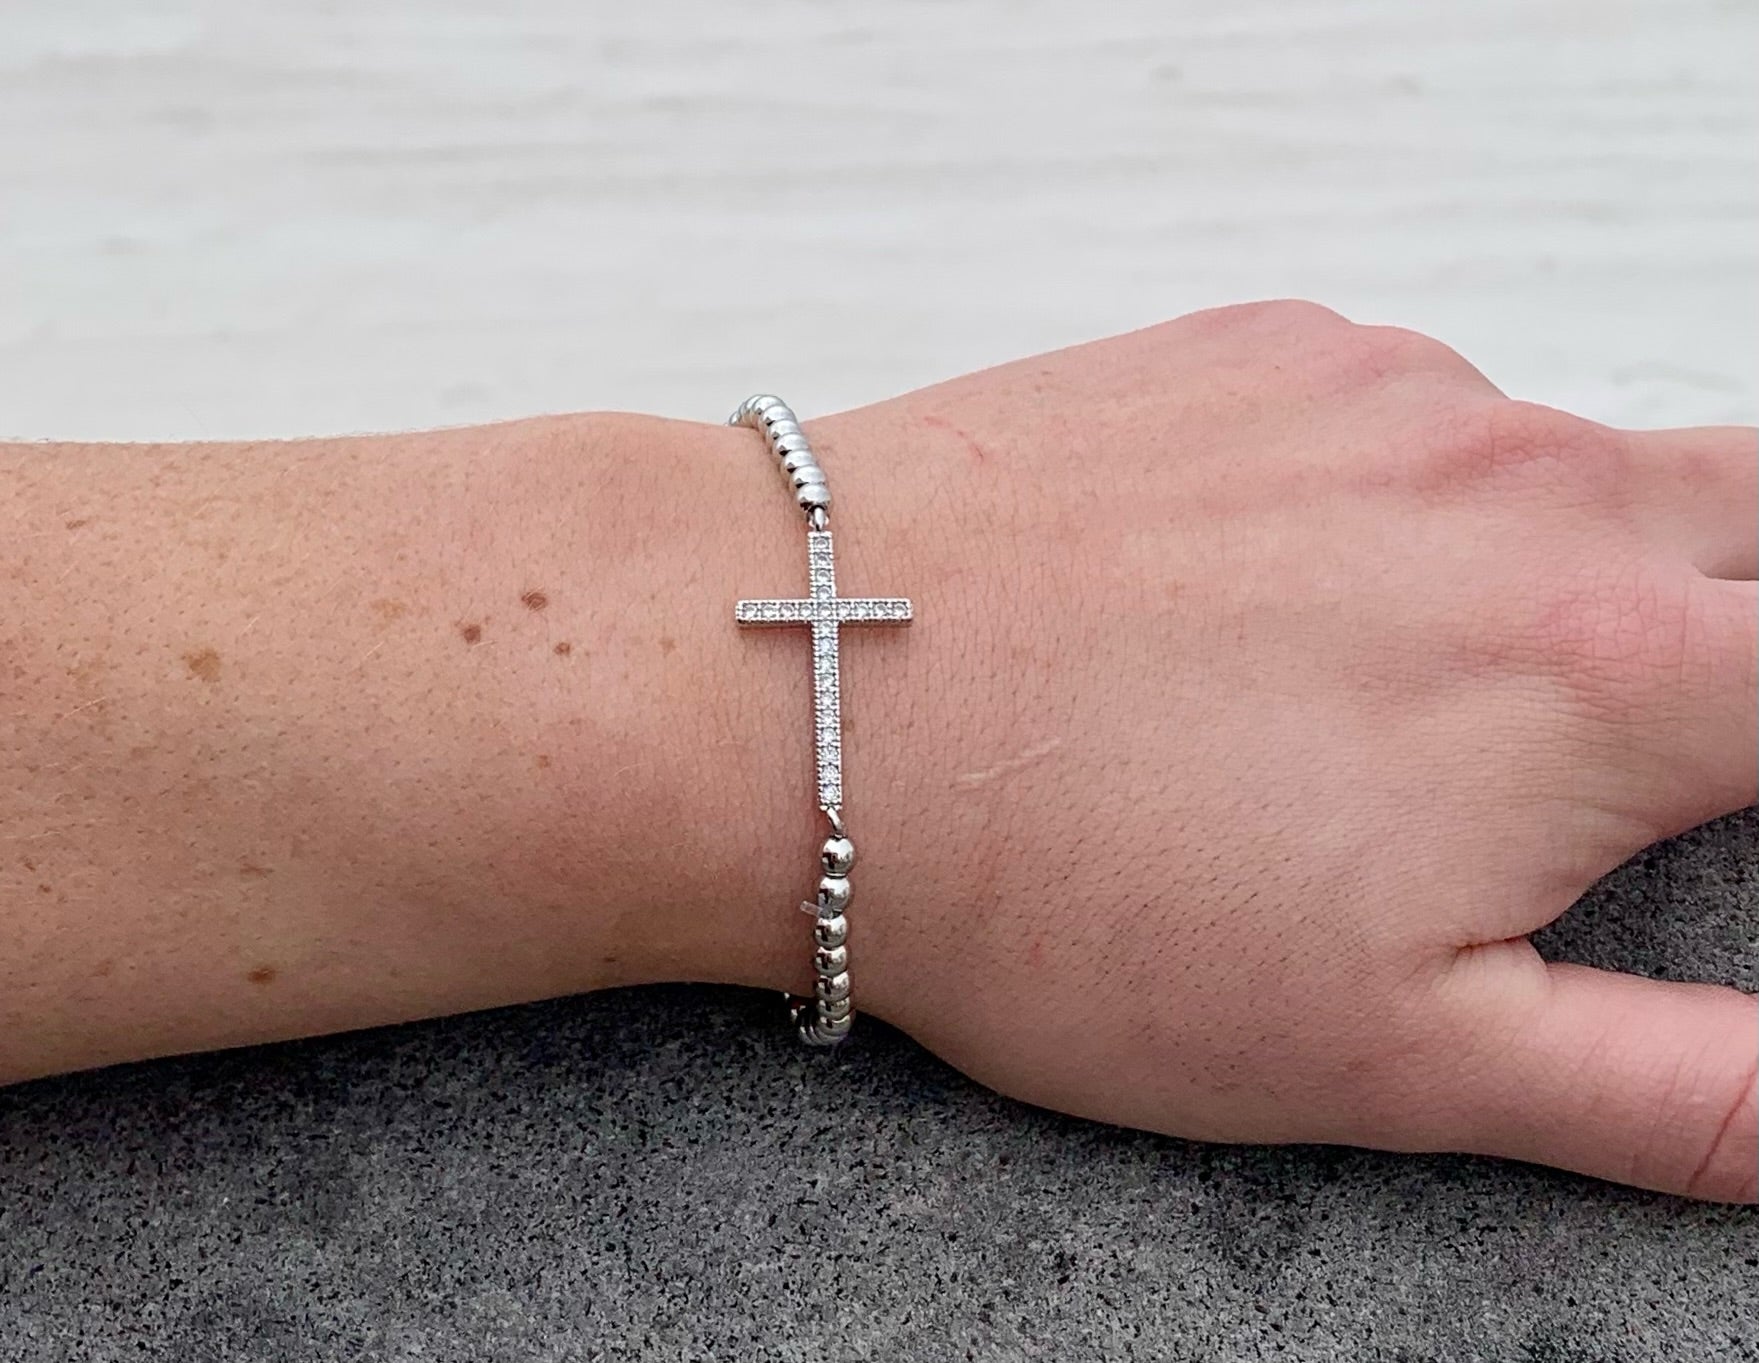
x: 1025, y: 758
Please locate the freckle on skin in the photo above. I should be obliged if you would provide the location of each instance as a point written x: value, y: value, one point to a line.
x: 388, y: 610
x: 43, y: 889
x: 472, y: 633
x: 563, y: 649
x: 534, y: 600
x: 78, y: 521
x: 251, y: 871
x: 104, y: 967
x: 667, y: 643
x: 263, y: 974
x: 543, y: 760
x: 203, y: 663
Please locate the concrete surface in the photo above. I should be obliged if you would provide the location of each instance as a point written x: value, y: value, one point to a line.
x: 220, y: 219
x: 663, y: 1175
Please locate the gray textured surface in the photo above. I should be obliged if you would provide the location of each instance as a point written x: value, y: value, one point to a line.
x: 656, y: 1174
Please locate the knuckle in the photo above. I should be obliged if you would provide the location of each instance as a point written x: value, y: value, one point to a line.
x: 1527, y: 444
x: 1614, y: 628
x: 1378, y: 352
x: 1268, y: 316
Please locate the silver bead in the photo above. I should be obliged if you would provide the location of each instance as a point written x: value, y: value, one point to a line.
x: 775, y: 411
x: 833, y: 987
x: 814, y: 497
x: 798, y: 459
x: 750, y: 412
x: 838, y: 1010
x: 837, y: 856
x: 832, y: 931
x: 831, y: 960
x: 781, y: 431
x: 807, y: 475
x: 835, y: 1029
x: 791, y: 444
x: 834, y: 894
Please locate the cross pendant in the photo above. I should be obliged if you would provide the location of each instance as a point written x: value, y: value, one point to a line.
x: 827, y: 613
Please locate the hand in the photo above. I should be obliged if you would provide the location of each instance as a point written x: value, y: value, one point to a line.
x: 1273, y: 678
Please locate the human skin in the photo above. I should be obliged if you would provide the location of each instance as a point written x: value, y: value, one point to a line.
x: 1272, y: 678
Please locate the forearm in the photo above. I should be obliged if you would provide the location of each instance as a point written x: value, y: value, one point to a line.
x: 315, y: 735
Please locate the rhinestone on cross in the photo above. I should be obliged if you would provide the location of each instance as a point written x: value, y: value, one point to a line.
x: 827, y: 613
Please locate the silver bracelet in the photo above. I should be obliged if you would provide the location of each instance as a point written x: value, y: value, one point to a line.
x: 825, y: 1018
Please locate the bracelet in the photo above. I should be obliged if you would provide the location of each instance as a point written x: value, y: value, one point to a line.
x: 825, y: 1018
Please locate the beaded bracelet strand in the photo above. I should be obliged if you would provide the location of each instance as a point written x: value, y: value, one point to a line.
x: 826, y: 1018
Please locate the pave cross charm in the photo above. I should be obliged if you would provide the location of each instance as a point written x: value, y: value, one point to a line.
x: 826, y: 612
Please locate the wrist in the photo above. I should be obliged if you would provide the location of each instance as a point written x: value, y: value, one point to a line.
x: 679, y: 801
x: 668, y: 790
x: 734, y: 775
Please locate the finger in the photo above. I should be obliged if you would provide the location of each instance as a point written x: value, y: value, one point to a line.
x: 1620, y: 1077
x: 1707, y: 712
x: 1672, y: 677
x: 1699, y: 487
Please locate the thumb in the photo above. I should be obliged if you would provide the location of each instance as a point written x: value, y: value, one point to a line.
x: 1621, y: 1077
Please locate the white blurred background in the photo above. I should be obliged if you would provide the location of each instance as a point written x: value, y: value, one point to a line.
x: 225, y: 219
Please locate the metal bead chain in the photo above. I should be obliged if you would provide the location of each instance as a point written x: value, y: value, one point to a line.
x: 773, y: 419
x: 828, y: 1016
x: 825, y: 1018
